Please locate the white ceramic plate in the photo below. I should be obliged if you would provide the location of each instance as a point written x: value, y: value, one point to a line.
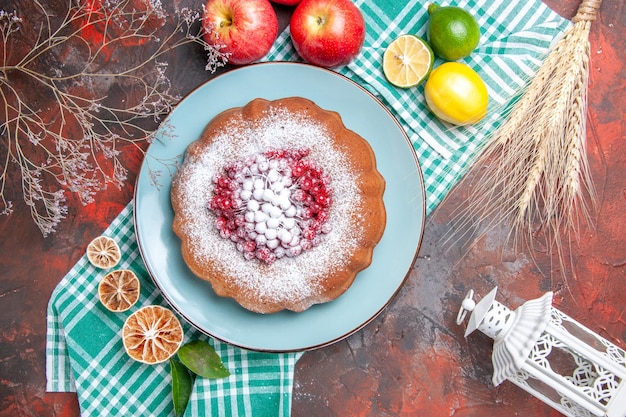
x: 373, y: 288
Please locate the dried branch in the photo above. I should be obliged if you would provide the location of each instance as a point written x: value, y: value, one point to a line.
x: 74, y: 145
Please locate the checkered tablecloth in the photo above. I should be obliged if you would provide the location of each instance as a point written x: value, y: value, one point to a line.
x: 84, y: 351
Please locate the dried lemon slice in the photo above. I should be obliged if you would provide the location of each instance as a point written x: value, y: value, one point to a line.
x: 119, y: 290
x: 152, y: 334
x: 103, y: 252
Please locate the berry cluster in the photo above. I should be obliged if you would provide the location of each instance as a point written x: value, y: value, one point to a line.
x: 272, y: 204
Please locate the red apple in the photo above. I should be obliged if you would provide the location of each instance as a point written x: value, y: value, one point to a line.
x: 246, y: 29
x: 327, y: 33
x: 287, y: 2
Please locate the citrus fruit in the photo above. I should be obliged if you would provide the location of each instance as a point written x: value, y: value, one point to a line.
x: 103, y: 252
x: 407, y: 61
x: 152, y: 334
x: 455, y: 93
x: 119, y: 290
x: 453, y: 33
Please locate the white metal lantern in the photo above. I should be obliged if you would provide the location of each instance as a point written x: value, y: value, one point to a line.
x: 551, y: 356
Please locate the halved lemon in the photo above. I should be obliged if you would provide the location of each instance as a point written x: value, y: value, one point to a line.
x: 103, y: 252
x: 407, y: 61
x: 152, y: 334
x: 119, y: 290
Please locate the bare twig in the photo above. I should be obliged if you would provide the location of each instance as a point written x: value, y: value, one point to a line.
x: 75, y: 146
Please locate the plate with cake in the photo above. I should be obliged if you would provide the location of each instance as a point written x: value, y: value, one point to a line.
x: 293, y: 213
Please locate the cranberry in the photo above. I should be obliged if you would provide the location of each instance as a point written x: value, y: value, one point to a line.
x: 316, y: 189
x: 322, y: 199
x: 298, y: 170
x: 223, y: 182
x: 307, y: 213
x: 309, y: 234
x: 306, y: 184
x: 298, y: 195
x: 304, y: 208
x: 220, y: 222
x: 315, y: 172
x: 249, y: 246
x: 226, y: 204
x: 322, y: 216
x: 316, y: 207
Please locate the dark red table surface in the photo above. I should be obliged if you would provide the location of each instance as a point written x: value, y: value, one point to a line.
x: 412, y: 360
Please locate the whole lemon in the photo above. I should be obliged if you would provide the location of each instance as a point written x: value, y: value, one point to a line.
x: 455, y: 93
x: 453, y: 33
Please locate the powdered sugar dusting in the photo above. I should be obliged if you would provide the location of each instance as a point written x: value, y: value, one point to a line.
x: 287, y: 279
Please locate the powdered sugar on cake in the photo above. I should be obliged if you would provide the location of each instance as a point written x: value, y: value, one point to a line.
x: 289, y: 278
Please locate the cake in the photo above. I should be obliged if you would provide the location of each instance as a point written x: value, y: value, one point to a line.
x: 278, y: 205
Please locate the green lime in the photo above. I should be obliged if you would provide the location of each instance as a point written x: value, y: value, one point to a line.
x: 452, y: 32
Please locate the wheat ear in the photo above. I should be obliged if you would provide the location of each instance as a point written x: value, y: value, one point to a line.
x: 533, y: 174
